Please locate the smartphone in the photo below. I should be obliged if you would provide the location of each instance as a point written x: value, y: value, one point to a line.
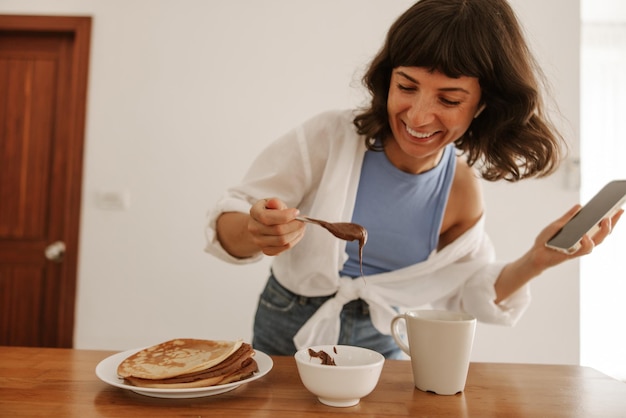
x: 587, y: 221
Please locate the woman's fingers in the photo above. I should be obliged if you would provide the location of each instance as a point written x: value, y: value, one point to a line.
x: 272, y: 228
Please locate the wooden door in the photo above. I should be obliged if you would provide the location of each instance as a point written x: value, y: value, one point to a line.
x: 43, y: 84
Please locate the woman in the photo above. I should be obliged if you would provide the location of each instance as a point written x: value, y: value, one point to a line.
x: 455, y: 94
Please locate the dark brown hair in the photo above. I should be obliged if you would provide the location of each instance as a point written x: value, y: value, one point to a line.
x: 513, y: 138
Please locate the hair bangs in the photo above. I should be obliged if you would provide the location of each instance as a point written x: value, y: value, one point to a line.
x: 449, y: 49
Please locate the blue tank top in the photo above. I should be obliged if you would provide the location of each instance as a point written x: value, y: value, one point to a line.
x: 402, y: 213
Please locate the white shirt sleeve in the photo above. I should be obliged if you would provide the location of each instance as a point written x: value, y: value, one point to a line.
x: 478, y: 294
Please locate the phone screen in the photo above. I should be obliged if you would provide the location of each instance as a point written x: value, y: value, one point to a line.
x: 610, y: 198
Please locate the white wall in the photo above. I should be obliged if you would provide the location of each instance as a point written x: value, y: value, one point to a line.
x: 184, y: 94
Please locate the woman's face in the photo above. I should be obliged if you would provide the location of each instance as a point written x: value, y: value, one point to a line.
x: 427, y: 111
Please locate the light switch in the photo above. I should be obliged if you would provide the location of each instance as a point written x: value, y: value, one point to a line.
x: 113, y: 199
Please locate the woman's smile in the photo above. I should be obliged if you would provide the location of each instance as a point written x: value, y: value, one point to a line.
x: 420, y: 135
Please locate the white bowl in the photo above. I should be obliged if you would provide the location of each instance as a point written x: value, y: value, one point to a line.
x: 355, y: 375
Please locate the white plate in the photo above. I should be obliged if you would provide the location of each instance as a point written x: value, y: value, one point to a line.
x: 106, y: 370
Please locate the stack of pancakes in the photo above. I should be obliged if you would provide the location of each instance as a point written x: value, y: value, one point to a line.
x: 189, y: 363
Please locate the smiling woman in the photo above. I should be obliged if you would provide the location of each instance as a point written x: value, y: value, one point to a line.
x: 406, y: 166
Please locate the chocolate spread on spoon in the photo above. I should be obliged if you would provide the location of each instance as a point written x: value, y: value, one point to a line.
x: 346, y: 231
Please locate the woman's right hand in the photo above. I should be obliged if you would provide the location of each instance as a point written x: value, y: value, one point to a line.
x: 272, y: 226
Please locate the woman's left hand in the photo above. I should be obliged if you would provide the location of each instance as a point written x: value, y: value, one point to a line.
x: 547, y: 257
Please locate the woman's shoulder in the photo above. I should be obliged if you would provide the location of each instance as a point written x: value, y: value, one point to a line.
x: 467, y: 191
x: 320, y: 131
x: 331, y: 130
x: 466, y: 180
x: 465, y: 203
x: 337, y: 119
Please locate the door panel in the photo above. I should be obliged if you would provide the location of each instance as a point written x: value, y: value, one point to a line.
x: 25, y: 150
x: 24, y: 281
x: 43, y: 78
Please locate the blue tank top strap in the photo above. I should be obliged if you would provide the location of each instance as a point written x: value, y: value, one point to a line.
x: 402, y: 213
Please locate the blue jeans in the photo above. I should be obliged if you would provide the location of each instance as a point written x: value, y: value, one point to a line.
x: 281, y: 313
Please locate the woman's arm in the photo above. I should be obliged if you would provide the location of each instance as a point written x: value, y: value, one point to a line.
x: 539, y: 258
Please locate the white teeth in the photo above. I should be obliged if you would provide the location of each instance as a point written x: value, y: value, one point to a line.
x: 419, y: 134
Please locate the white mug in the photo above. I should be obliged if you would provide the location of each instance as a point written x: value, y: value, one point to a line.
x: 440, y: 345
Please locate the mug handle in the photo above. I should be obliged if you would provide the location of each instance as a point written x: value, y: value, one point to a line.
x: 395, y: 333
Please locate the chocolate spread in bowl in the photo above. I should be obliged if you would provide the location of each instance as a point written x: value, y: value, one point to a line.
x: 326, y: 358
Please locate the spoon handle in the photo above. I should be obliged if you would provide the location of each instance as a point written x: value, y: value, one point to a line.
x: 307, y: 219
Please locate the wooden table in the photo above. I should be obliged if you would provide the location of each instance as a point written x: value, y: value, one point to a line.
x: 62, y: 383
